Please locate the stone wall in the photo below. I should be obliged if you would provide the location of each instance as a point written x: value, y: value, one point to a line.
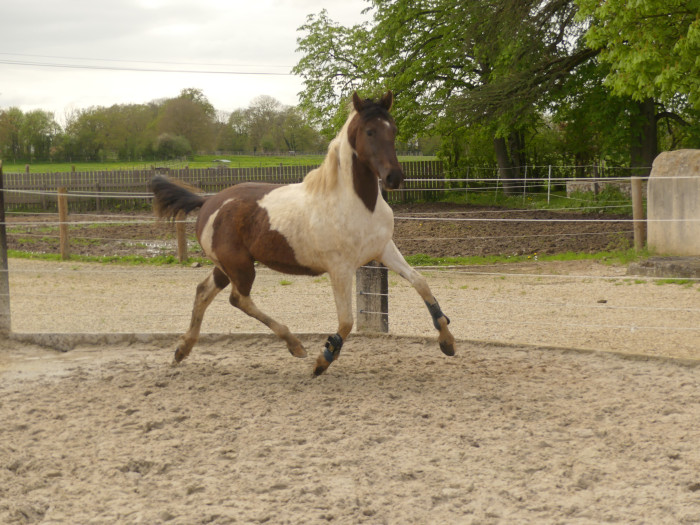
x: 673, y: 203
x: 595, y: 186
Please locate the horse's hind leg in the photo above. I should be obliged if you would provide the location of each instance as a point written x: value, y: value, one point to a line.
x: 395, y: 261
x: 241, y: 270
x: 246, y: 305
x: 206, y: 291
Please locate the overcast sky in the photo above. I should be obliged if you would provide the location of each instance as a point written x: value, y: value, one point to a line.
x: 213, y: 35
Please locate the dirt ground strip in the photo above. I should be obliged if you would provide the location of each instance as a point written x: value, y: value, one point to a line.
x: 438, y: 229
x: 395, y: 432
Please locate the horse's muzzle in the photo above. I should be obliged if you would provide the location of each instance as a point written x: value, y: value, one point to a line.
x: 394, y: 179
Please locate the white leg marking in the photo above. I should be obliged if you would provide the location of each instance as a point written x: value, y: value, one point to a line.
x: 342, y: 293
x: 392, y: 258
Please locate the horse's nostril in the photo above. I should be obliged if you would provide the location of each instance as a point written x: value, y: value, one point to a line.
x: 394, y: 179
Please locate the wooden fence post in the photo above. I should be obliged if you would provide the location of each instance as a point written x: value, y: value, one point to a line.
x: 5, y: 324
x: 181, y: 236
x: 63, y: 223
x: 638, y: 213
x: 372, y: 283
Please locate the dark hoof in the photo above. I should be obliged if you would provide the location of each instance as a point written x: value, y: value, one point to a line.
x: 448, y: 348
x: 179, y: 356
x: 321, y: 365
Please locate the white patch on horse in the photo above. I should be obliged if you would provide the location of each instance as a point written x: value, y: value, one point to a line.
x: 331, y: 229
x: 207, y: 238
x: 323, y: 229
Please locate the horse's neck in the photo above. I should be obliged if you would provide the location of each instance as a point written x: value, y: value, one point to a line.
x: 335, y: 173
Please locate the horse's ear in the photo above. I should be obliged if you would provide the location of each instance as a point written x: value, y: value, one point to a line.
x: 357, y: 102
x: 387, y: 100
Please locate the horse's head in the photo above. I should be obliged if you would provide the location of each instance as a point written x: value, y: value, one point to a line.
x: 372, y: 134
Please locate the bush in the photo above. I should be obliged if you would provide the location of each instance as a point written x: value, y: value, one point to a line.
x: 168, y: 146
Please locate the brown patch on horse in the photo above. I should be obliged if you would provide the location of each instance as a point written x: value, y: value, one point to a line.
x: 365, y: 183
x: 242, y: 235
x: 372, y: 134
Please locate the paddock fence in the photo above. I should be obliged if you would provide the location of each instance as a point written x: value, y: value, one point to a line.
x: 96, y: 190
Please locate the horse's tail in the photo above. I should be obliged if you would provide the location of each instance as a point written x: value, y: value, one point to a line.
x: 172, y: 197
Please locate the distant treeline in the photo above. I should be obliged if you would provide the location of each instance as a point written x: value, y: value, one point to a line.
x: 161, y: 129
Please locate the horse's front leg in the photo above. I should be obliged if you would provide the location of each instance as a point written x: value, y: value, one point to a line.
x: 342, y: 292
x: 392, y: 258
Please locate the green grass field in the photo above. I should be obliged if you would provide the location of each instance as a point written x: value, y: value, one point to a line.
x: 197, y: 161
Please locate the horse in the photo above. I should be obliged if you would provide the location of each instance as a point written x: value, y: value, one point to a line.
x: 334, y: 221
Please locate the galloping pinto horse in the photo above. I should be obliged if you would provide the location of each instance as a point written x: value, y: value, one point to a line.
x: 334, y: 221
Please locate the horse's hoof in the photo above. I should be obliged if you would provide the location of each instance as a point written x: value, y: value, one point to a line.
x: 321, y: 365
x: 447, y: 347
x: 297, y: 351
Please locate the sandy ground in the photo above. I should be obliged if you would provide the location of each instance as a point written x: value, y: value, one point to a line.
x: 578, y: 304
x: 394, y: 432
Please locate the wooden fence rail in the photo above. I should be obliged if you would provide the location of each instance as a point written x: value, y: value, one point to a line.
x: 94, y: 190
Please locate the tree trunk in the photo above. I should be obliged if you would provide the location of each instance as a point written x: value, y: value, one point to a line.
x: 644, y: 146
x: 508, y: 162
x: 516, y: 146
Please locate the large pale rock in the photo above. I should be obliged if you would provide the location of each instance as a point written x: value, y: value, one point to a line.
x: 673, y: 203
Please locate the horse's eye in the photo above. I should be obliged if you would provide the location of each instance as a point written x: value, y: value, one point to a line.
x: 370, y: 133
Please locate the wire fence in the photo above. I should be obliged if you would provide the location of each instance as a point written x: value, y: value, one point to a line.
x: 583, y: 306
x: 424, y: 180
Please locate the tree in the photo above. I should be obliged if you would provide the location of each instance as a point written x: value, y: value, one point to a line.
x: 190, y: 115
x: 169, y: 146
x: 332, y: 66
x: 10, y: 125
x: 264, y: 127
x: 651, y: 48
x: 86, y: 134
x: 451, y: 64
x: 234, y: 136
x: 269, y: 126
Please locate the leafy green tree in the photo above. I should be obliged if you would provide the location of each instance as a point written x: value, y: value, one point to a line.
x: 264, y: 125
x: 333, y: 65
x: 189, y: 115
x: 451, y: 63
x: 652, y: 46
x: 234, y: 136
x: 269, y: 126
x: 37, y: 134
x: 10, y: 133
x: 169, y: 146
x: 652, y: 49
x: 86, y: 134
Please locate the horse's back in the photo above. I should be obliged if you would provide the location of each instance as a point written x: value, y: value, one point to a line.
x: 233, y: 223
